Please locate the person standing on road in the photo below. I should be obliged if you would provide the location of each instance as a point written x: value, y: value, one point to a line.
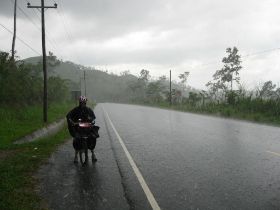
x: 84, y: 114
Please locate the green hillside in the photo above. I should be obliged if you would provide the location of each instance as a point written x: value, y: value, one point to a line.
x: 100, y: 86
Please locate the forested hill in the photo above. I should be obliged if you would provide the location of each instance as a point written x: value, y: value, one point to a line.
x: 100, y: 86
x: 107, y: 87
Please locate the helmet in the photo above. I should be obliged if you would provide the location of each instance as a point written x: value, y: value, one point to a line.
x: 83, y: 99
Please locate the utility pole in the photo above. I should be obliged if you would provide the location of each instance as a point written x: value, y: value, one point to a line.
x: 15, y: 30
x: 81, y: 84
x: 170, y: 102
x: 45, y: 103
x: 85, y: 83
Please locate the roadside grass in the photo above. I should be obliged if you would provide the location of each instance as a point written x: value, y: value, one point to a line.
x: 16, y: 123
x: 222, y: 110
x: 18, y: 163
x: 18, y: 185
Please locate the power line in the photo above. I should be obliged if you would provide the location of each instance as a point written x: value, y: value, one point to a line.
x: 245, y: 56
x: 68, y: 35
x: 20, y: 39
x: 26, y: 15
x: 61, y: 12
x: 64, y: 25
x: 63, y: 20
x: 54, y: 2
x: 261, y: 52
x: 34, y: 11
x: 49, y: 39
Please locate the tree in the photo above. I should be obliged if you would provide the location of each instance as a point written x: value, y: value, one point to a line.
x: 214, y: 88
x: 204, y: 95
x: 139, y: 87
x: 176, y: 96
x: 144, y: 75
x: 277, y: 94
x: 267, y: 90
x: 228, y: 74
x: 230, y: 71
x: 154, y: 91
x: 22, y: 84
x: 125, y: 73
x: 52, y: 60
x: 57, y: 90
x: 52, y: 63
x: 162, y: 78
x: 184, y: 78
x: 231, y: 68
x: 193, y: 98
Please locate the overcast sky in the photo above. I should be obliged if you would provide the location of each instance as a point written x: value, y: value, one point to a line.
x: 157, y: 35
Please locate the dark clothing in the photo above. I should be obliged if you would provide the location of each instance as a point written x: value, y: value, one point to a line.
x: 78, y: 144
x: 84, y: 113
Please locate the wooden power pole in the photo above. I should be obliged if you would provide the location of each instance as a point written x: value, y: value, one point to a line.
x: 170, y: 102
x: 85, y: 83
x: 15, y: 30
x: 45, y: 103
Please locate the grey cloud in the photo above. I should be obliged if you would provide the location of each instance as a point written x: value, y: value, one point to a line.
x: 105, y: 18
x: 180, y: 31
x: 6, y: 8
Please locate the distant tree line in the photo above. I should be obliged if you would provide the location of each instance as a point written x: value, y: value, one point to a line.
x: 225, y: 94
x: 21, y: 82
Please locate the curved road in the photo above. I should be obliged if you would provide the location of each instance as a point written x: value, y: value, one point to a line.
x: 187, y: 161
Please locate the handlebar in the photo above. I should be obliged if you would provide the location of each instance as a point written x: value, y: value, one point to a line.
x: 80, y: 121
x: 84, y: 124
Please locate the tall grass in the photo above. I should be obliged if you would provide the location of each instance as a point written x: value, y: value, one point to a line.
x: 247, y: 108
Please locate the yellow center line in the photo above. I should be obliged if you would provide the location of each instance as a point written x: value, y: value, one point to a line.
x: 274, y: 153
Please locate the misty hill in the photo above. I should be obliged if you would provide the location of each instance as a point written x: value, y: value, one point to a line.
x: 100, y: 86
x: 104, y: 87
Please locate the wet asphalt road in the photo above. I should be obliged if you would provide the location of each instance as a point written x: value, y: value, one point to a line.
x: 188, y: 161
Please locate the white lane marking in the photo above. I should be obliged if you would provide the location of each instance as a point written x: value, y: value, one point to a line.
x: 274, y: 153
x: 138, y: 174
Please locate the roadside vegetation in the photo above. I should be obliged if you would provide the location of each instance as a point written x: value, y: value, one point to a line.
x: 18, y: 122
x: 21, y: 87
x: 18, y: 163
x: 21, y: 113
x: 224, y: 94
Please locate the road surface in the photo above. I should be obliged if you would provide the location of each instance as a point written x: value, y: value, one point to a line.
x: 151, y: 158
